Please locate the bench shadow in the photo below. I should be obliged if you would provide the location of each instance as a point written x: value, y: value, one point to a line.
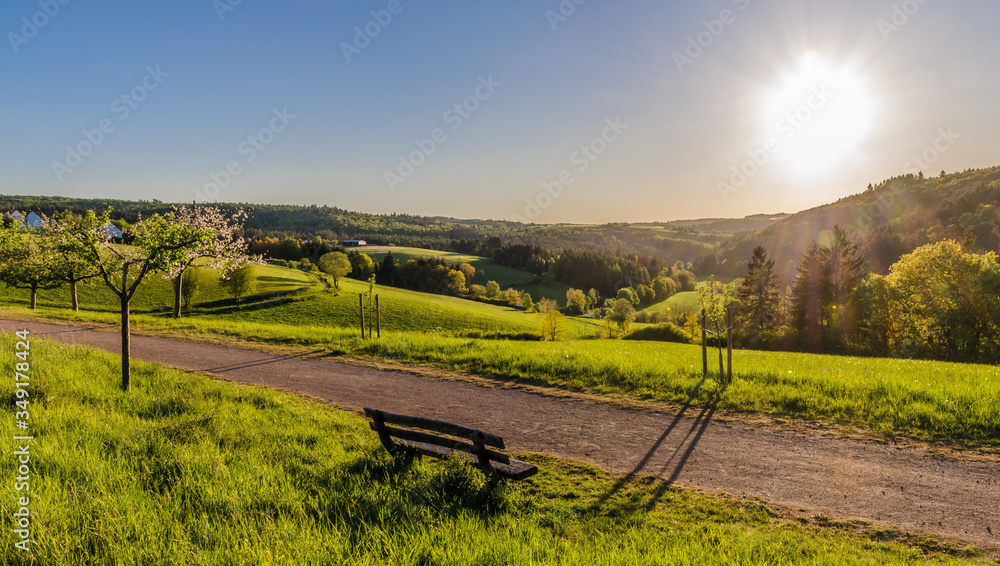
x: 266, y: 361
x: 685, y: 448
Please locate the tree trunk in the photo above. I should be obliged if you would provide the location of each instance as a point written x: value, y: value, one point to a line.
x: 72, y: 296
x: 178, y: 282
x: 34, y: 297
x: 126, y: 353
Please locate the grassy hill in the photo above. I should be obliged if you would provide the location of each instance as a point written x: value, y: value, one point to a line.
x: 294, y: 297
x: 187, y: 470
x: 404, y: 310
x: 679, y: 303
x: 891, y: 219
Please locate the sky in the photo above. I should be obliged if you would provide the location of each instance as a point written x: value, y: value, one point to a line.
x: 547, y: 111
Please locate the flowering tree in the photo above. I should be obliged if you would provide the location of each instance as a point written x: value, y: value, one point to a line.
x: 157, y: 243
x: 26, y: 260
x: 66, y: 262
x: 225, y: 249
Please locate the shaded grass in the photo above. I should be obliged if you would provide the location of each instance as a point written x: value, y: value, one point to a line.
x: 188, y: 470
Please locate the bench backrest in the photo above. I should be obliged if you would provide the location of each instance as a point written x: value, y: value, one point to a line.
x: 478, y: 440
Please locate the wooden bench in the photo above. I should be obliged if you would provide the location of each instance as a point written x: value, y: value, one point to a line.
x: 449, y: 438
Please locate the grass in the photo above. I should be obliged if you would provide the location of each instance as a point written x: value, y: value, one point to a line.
x: 407, y: 310
x: 679, y: 303
x: 503, y: 275
x: 186, y: 470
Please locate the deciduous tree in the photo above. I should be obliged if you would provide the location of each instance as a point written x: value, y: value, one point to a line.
x: 68, y: 263
x: 553, y: 327
x: 156, y: 243
x: 241, y: 283
x: 336, y: 265
x: 26, y: 260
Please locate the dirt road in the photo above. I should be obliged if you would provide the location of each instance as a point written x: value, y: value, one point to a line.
x: 845, y: 479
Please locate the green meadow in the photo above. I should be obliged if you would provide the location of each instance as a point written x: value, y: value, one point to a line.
x: 188, y: 470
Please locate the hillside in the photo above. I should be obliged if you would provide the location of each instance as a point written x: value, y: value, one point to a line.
x: 887, y: 221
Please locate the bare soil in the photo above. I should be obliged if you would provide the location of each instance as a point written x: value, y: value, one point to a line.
x: 806, y: 472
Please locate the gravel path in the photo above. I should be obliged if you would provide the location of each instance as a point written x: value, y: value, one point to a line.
x: 805, y: 471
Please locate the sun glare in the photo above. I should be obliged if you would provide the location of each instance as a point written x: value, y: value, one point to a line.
x: 818, y: 115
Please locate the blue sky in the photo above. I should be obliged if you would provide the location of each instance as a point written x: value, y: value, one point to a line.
x: 190, y: 88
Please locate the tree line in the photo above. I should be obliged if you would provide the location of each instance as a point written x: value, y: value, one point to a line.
x: 940, y: 301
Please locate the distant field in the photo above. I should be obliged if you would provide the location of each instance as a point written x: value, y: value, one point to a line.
x: 187, y: 470
x: 504, y: 276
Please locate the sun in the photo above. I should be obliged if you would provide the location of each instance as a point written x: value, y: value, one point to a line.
x: 819, y: 115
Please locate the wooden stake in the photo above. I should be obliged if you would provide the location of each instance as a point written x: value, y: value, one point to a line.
x: 361, y: 302
x: 729, y: 336
x: 704, y: 345
x: 378, y: 318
